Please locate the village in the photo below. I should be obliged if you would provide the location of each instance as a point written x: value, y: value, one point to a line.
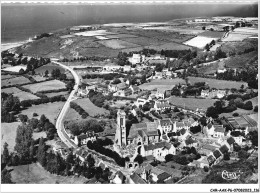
x: 161, y: 114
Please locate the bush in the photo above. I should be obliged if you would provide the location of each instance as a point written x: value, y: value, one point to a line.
x: 35, y: 114
x: 235, y: 114
x: 256, y: 108
x: 206, y: 169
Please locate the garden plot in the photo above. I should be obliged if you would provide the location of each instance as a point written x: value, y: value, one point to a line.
x: 212, y: 34
x: 235, y: 37
x: 15, y: 68
x: 15, y: 81
x: 44, y: 86
x: 199, y: 41
x: 117, y: 44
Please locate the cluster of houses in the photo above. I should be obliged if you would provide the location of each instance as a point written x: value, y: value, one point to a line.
x: 214, y: 93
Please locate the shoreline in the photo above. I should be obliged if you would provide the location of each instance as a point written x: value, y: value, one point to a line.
x: 7, y: 46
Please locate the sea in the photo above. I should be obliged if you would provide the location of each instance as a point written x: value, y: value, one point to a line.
x: 19, y: 22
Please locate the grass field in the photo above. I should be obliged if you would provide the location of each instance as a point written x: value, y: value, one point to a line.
x: 49, y: 67
x: 14, y: 81
x: 235, y: 37
x: 72, y: 115
x: 192, y: 103
x: 8, y: 135
x: 120, y: 36
x: 63, y: 93
x: 219, y: 84
x: 36, y: 174
x: 239, y: 47
x: 170, y: 46
x: 89, y: 107
x: 145, y: 41
x: 39, y: 78
x: 117, y: 44
x: 7, y: 76
x: 241, y: 61
x: 239, y: 111
x: 212, y: 34
x: 50, y: 110
x: 164, y: 83
x: 20, y: 94
x: 48, y: 85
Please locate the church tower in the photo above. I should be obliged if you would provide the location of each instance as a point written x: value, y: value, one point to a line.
x: 121, y: 129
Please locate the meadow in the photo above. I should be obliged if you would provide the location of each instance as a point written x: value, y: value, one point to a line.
x: 44, y: 86
x: 218, y: 84
x: 117, y: 44
x: 15, y: 80
x: 8, y: 134
x: 164, y: 83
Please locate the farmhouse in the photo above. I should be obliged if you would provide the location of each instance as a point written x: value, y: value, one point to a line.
x: 83, y: 139
x: 161, y: 105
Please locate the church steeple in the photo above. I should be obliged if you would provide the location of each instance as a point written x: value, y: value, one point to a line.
x: 121, y: 129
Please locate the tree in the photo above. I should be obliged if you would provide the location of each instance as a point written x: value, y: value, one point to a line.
x: 256, y: 108
x: 242, y: 154
x: 248, y: 105
x: 203, y: 28
x: 219, y: 106
x: 6, y: 177
x: 23, y: 142
x: 226, y: 156
x: 46, y: 73
x: 207, y: 47
x: 212, y: 112
x: 116, y: 81
x: 23, y: 118
x: 5, y: 155
x: 139, y: 159
x: 41, y: 154
x: 168, y: 157
x: 90, y: 161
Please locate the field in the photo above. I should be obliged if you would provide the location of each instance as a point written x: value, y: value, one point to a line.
x: 199, y: 41
x: 235, y: 37
x: 11, y: 90
x: 239, y: 111
x: 93, y: 33
x: 219, y: 84
x: 120, y: 36
x: 6, y: 76
x: 25, y: 96
x: 189, y: 31
x: 241, y: 61
x: 14, y: 81
x: 48, y: 85
x: 14, y: 68
x: 170, y: 46
x: 246, y: 30
x: 239, y: 47
x: 63, y: 93
x: 212, y: 34
x: 192, y: 103
x: 117, y: 44
x: 211, y: 68
x: 165, y: 83
x: 8, y: 134
x: 72, y: 115
x: 50, y: 110
x: 36, y: 174
x: 89, y: 107
x: 145, y: 41
x: 20, y: 94
x: 49, y: 67
x: 39, y: 78
x: 39, y: 135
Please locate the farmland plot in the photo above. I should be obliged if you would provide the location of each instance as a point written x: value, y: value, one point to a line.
x: 14, y: 81
x: 44, y: 86
x: 199, y: 41
x: 117, y: 44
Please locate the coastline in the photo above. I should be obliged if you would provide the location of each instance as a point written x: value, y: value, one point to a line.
x: 7, y: 46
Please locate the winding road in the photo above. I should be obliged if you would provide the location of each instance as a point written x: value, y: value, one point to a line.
x: 59, y: 122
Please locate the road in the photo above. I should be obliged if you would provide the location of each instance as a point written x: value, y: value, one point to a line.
x: 60, y: 127
x: 59, y: 122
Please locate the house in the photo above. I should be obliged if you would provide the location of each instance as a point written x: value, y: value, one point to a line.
x: 239, y: 139
x: 183, y: 134
x: 213, y: 93
x: 159, y: 150
x: 116, y: 87
x: 223, y: 149
x: 200, y: 163
x: 161, y: 105
x: 173, y: 172
x: 136, y: 59
x: 178, y: 125
x: 135, y: 89
x: 211, y: 159
x: 163, y: 177
x: 83, y: 139
x: 141, y: 101
x: 219, y: 131
x: 218, y: 156
x: 165, y: 125
x: 160, y: 93
x: 119, y: 178
x: 158, y: 75
x: 207, y: 149
x: 136, y: 179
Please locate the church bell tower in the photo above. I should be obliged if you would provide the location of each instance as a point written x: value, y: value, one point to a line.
x: 121, y: 129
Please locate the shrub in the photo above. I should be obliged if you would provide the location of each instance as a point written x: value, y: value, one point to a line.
x: 206, y: 169
x: 256, y: 108
x: 235, y: 114
x: 35, y: 114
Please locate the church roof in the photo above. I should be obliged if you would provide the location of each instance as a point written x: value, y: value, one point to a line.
x: 165, y: 122
x: 149, y: 129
